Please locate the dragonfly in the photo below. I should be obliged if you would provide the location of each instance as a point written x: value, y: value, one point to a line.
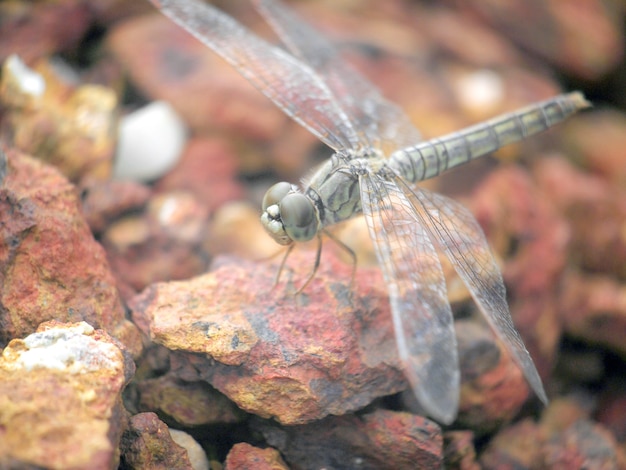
x: 378, y: 159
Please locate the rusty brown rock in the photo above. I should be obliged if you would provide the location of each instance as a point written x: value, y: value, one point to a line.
x: 459, y: 451
x: 164, y: 242
x: 597, y: 141
x: 244, y: 456
x: 72, y: 127
x: 60, y: 398
x: 50, y: 265
x: 584, y: 40
x: 517, y: 446
x: 593, y: 308
x: 147, y: 444
x: 36, y: 30
x: 296, y: 359
x: 381, y: 439
x: 187, y: 404
x: 595, y: 209
x: 583, y: 445
x: 208, y: 169
x: 564, y: 438
x: 205, y: 91
x: 105, y: 201
x: 493, y: 388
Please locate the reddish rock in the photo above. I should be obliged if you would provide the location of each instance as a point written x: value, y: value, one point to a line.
x: 597, y: 141
x: 493, y: 388
x: 164, y: 242
x: 612, y: 412
x: 169, y: 64
x: 583, y: 445
x: 593, y: 308
x: 328, y: 350
x: 526, y: 231
x: 105, y: 201
x: 595, y: 209
x: 459, y: 451
x: 208, y: 169
x: 381, y: 439
x: 70, y: 126
x: 36, y: 30
x: 244, y: 456
x: 236, y: 230
x: 584, y: 39
x: 187, y: 404
x: 50, y: 265
x: 517, y: 446
x: 565, y: 438
x: 60, y: 398
x: 147, y: 444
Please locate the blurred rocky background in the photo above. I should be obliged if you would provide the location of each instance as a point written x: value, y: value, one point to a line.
x: 140, y: 324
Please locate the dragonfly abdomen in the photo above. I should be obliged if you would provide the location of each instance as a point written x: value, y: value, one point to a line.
x: 431, y: 158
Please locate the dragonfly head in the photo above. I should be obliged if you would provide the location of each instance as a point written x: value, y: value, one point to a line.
x: 289, y: 215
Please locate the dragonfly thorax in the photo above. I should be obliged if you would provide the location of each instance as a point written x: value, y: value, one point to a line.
x: 288, y: 215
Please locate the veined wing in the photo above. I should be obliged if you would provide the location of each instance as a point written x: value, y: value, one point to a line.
x: 420, y: 309
x: 385, y: 125
x: 292, y: 85
x: 462, y: 240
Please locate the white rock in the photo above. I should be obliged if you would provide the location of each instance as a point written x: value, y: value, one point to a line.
x: 71, y: 349
x: 30, y: 82
x: 196, y: 454
x: 151, y: 140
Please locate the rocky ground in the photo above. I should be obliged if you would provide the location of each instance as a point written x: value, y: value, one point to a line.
x: 140, y: 323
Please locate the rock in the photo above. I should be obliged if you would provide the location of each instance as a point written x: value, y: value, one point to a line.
x: 72, y: 127
x: 36, y: 30
x: 493, y: 388
x: 50, y: 265
x: 596, y: 141
x: 516, y: 446
x: 197, y: 83
x: 612, y: 412
x: 593, y: 309
x: 196, y: 454
x: 381, y: 439
x: 147, y: 443
x: 187, y: 404
x: 328, y: 350
x: 583, y: 445
x: 236, y: 230
x: 150, y: 143
x: 585, y: 42
x: 244, y: 456
x: 564, y: 438
x: 105, y: 201
x: 459, y: 451
x: 595, y: 209
x: 164, y: 242
x: 60, y: 398
x: 208, y: 169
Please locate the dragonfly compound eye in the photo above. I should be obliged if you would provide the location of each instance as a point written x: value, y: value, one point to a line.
x: 275, y: 194
x: 298, y: 216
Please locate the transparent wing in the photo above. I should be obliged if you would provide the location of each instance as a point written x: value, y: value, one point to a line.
x: 421, y: 313
x: 462, y: 240
x: 384, y: 124
x: 293, y: 86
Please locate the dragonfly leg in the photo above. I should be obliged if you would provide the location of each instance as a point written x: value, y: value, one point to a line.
x: 282, y: 263
x: 316, y: 265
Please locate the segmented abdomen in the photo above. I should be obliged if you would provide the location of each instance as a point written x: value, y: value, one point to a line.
x: 431, y: 158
